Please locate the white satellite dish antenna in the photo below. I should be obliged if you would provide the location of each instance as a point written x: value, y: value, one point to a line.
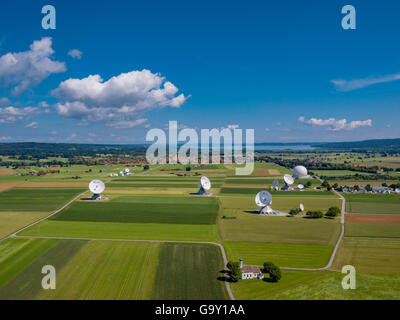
x: 264, y: 200
x: 204, y: 185
x: 289, y: 180
x: 121, y: 173
x: 300, y: 186
x: 275, y: 183
x: 127, y: 170
x: 96, y: 187
x: 301, y: 207
x: 300, y: 172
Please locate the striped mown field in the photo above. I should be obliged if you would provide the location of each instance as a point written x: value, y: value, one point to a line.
x: 99, y: 269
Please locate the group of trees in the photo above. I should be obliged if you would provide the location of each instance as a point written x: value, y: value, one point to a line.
x: 317, y: 214
x: 331, y: 213
x: 273, y: 271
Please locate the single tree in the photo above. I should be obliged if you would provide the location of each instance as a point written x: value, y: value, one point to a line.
x: 234, y: 271
x: 275, y: 274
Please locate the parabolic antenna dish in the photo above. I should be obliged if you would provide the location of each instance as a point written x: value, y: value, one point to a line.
x: 300, y: 186
x: 289, y: 180
x: 205, y: 183
x: 275, y: 183
x: 96, y: 186
x: 300, y: 172
x: 263, y: 198
x: 301, y: 207
x: 127, y: 170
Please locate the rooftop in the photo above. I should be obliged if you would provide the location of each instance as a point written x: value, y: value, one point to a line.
x: 254, y: 269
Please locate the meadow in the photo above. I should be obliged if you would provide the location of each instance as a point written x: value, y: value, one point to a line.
x: 35, y: 199
x: 283, y: 202
x: 189, y: 272
x: 369, y: 254
x: 110, y: 270
x: 17, y: 254
x: 281, y: 254
x: 256, y: 228
x: 142, y: 209
x: 372, y: 230
x: 97, y: 269
x: 13, y: 221
x: 107, y: 270
x: 320, y: 285
x: 124, y: 230
x: 373, y: 203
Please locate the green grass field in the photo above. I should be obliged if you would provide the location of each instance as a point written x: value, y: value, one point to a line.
x: 369, y: 254
x: 254, y: 191
x: 373, y: 207
x: 85, y: 270
x: 373, y: 203
x: 282, y: 203
x: 144, y: 209
x: 17, y: 254
x: 13, y: 221
x: 372, y: 230
x: 189, y: 272
x: 320, y: 285
x: 35, y: 199
x: 155, y: 184
x: 124, y: 230
x: 27, y: 284
x: 108, y: 270
x: 90, y: 270
x: 283, y: 255
x: 280, y: 230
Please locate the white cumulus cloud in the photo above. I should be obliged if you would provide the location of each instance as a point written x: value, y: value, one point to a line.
x: 336, y: 124
x: 119, y: 102
x: 22, y: 70
x: 12, y: 114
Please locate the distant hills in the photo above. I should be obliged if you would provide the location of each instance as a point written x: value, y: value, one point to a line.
x: 68, y: 150
x: 377, y: 144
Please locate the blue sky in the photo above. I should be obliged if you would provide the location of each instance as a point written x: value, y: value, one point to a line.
x: 267, y: 65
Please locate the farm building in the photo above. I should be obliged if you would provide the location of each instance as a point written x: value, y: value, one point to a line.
x: 250, y: 272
